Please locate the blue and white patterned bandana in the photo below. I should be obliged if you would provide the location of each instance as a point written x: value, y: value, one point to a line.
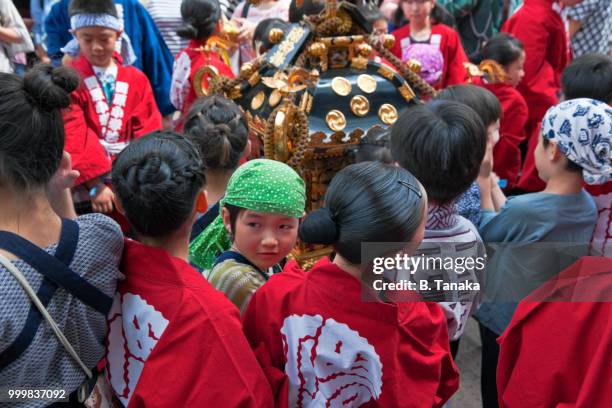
x: 582, y: 129
x: 100, y: 20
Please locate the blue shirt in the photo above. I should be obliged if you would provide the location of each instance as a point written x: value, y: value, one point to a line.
x: 530, y: 240
x: 153, y: 56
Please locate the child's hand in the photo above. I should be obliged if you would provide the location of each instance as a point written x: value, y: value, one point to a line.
x: 103, y: 201
x: 65, y: 175
x: 246, y: 30
x: 486, y: 166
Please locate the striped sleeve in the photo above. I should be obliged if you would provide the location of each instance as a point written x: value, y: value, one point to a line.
x: 238, y: 281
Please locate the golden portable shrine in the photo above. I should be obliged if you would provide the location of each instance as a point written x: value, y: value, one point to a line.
x: 325, y: 83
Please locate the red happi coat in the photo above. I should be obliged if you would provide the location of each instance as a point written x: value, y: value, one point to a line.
x: 321, y: 344
x: 538, y: 24
x: 449, y: 43
x: 601, y: 242
x: 187, y: 64
x: 175, y: 341
x: 96, y: 130
x: 559, y: 353
x: 515, y: 114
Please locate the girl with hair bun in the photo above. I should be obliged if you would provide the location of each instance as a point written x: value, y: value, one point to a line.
x: 191, y: 331
x: 71, y: 263
x: 206, y: 50
x: 328, y: 336
x: 218, y: 127
x: 503, y: 66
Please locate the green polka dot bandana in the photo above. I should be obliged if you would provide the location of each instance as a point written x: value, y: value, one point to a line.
x: 258, y: 185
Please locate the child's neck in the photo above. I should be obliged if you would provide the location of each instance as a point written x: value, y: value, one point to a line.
x: 176, y: 244
x: 420, y: 28
x: 110, y: 64
x: 564, y: 183
x: 216, y: 185
x: 30, y: 216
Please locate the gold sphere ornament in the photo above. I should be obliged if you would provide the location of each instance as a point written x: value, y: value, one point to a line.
x: 275, y: 35
x: 246, y: 70
x: 388, y: 41
x: 387, y: 114
x: 335, y: 120
x: 341, y: 86
x: 364, y: 50
x: 317, y: 49
x: 360, y: 106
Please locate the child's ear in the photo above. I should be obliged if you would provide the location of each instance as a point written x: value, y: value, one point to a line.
x: 202, y: 202
x: 554, y: 154
x: 118, y: 205
x: 225, y: 215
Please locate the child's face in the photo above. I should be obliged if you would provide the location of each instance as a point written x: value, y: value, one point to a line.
x: 97, y: 44
x: 380, y: 26
x: 493, y: 132
x: 515, y: 70
x: 544, y: 158
x: 263, y: 238
x: 417, y: 10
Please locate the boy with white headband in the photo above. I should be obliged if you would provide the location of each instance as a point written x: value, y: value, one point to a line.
x: 113, y: 105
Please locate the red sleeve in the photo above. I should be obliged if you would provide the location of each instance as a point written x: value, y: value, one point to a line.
x: 454, y: 58
x: 82, y: 142
x: 145, y: 116
x: 507, y: 154
x: 399, y: 34
x: 539, y: 80
x: 263, y: 347
x: 202, y: 360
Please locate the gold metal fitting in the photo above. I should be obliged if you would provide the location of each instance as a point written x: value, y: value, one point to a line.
x: 275, y: 35
x: 388, y: 41
x: 317, y: 49
x: 364, y: 49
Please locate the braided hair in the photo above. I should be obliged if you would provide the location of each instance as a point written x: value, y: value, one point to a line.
x: 157, y: 179
x: 220, y: 130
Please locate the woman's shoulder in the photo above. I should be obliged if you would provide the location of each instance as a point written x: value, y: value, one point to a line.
x: 440, y: 28
x: 100, y: 236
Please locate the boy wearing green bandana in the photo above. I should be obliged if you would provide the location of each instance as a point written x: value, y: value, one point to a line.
x: 256, y: 229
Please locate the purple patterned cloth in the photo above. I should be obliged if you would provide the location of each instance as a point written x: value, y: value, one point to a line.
x: 431, y: 59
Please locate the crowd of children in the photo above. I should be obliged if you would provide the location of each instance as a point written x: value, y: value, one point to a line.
x: 185, y: 292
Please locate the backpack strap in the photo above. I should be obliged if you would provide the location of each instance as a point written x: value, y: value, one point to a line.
x: 56, y: 273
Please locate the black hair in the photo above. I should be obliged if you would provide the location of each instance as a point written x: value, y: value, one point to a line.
x: 366, y: 202
x: 31, y: 125
x: 262, y: 33
x: 200, y: 17
x: 442, y: 143
x: 220, y: 130
x: 571, y: 166
x: 588, y: 76
x: 438, y: 15
x: 502, y: 48
x: 483, y: 101
x: 157, y: 179
x: 374, y: 146
x: 308, y: 8
x: 234, y: 211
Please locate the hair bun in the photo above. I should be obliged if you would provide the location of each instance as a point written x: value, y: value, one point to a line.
x: 187, y: 30
x: 50, y: 87
x: 319, y: 227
